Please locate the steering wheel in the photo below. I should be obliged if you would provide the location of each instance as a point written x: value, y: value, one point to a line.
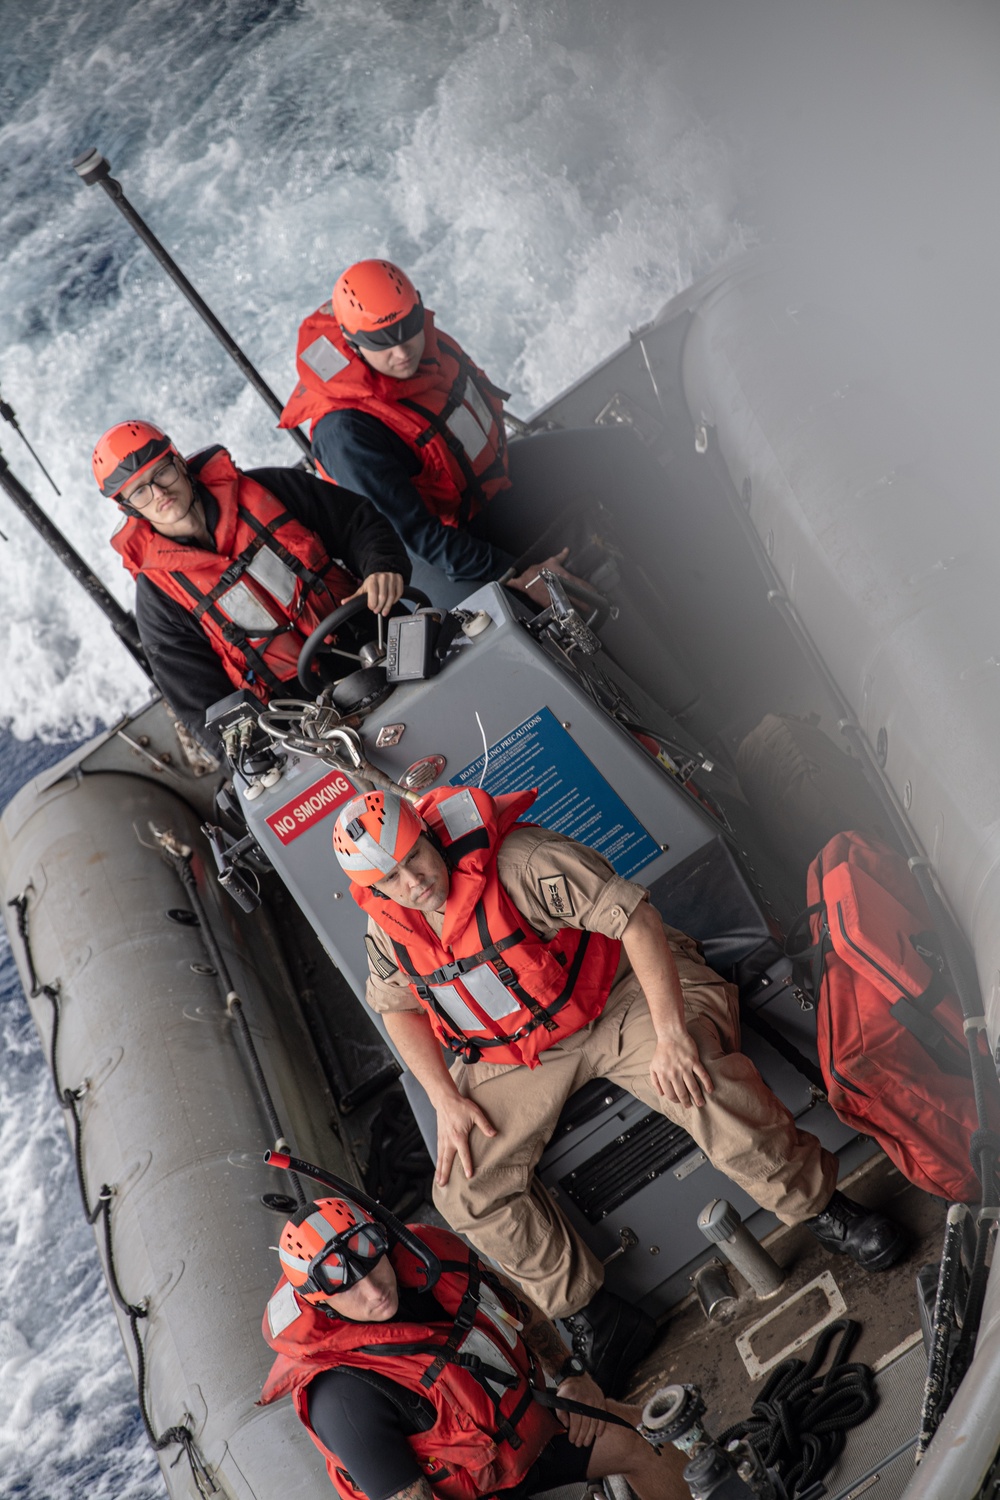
x: 315, y: 645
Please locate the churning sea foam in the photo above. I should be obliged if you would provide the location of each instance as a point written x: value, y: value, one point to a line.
x: 536, y: 167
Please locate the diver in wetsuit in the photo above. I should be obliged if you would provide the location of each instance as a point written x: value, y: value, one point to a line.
x: 412, y: 1393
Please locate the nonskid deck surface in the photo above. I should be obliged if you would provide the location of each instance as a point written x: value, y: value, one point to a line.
x: 696, y: 1351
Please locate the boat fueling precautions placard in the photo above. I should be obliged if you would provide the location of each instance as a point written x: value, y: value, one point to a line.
x: 573, y: 796
x: 299, y: 815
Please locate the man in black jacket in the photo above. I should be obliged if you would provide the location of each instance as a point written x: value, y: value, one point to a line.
x: 235, y: 569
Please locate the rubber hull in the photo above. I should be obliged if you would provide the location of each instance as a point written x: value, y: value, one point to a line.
x: 169, y: 1118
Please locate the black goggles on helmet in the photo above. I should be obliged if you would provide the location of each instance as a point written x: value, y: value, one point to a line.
x: 399, y: 332
x: 347, y: 1258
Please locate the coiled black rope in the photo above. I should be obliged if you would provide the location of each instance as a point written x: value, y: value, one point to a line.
x: 799, y: 1423
x: 69, y: 1100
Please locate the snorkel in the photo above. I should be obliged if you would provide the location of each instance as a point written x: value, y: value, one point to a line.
x: 428, y: 1260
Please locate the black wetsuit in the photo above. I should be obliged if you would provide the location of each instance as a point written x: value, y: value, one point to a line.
x: 366, y: 1423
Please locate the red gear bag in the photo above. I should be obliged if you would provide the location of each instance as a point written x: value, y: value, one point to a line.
x: 889, y: 1029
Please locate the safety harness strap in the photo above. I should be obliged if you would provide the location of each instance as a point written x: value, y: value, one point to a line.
x: 239, y: 564
x: 237, y: 636
x: 471, y: 1049
x: 437, y: 422
x: 264, y: 533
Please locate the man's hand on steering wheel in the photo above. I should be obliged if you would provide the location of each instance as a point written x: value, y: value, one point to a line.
x: 381, y: 591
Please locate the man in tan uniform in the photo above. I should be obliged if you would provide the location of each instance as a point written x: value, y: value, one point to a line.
x: 666, y: 1030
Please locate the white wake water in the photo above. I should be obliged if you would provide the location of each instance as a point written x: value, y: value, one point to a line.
x: 537, y: 169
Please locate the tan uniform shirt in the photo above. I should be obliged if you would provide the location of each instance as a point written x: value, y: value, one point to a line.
x: 554, y: 882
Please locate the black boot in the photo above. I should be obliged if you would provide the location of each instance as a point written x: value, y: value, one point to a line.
x: 868, y: 1237
x: 610, y: 1337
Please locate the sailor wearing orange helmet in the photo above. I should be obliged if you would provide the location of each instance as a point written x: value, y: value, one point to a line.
x: 508, y: 944
x: 412, y: 1390
x: 234, y: 569
x: 401, y: 414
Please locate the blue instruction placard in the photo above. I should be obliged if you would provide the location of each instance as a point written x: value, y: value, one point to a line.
x: 573, y: 796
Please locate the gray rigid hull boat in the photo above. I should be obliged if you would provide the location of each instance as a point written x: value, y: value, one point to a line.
x: 741, y: 580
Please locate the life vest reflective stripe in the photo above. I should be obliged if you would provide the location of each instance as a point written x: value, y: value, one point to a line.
x: 489, y: 984
x: 261, y: 593
x: 449, y: 414
x: 476, y: 1372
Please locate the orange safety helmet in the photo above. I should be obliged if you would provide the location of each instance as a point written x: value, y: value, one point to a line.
x: 329, y: 1246
x: 126, y: 450
x: 373, y: 832
x: 377, y: 305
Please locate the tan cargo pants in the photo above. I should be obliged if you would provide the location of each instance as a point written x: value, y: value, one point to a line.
x: 744, y: 1130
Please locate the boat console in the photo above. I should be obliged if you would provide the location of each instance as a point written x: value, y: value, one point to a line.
x: 494, y: 695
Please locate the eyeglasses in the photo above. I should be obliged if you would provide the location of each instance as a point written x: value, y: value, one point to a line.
x: 399, y: 332
x: 166, y: 476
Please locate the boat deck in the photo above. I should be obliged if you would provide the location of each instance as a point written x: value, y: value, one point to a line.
x: 878, y: 1459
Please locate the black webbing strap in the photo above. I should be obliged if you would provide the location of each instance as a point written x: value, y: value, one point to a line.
x: 236, y: 568
x: 471, y: 1048
x: 799, y: 929
x: 932, y: 1037
x: 808, y: 960
x: 437, y: 422
x: 467, y: 844
x: 236, y: 636
x: 263, y: 532
x: 464, y: 1319
x: 546, y: 1397
x: 489, y: 954
x: 456, y: 1041
x: 471, y: 1362
x: 263, y: 538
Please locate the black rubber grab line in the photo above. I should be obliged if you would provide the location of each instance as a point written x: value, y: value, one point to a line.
x: 69, y: 1099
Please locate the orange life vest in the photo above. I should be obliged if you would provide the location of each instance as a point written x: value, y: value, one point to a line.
x: 478, y: 1373
x: 261, y: 593
x: 449, y: 413
x: 489, y: 983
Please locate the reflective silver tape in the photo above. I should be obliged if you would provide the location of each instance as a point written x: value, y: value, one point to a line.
x: 323, y: 358
x: 371, y: 855
x: 456, y: 1009
x: 274, y: 575
x: 479, y: 1343
x: 459, y: 814
x: 282, y: 1310
x: 468, y: 431
x: 244, y: 608
x: 487, y: 990
x: 473, y: 397
x: 490, y: 1304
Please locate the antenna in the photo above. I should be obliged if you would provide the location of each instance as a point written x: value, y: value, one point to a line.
x: 94, y: 169
x: 9, y: 415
